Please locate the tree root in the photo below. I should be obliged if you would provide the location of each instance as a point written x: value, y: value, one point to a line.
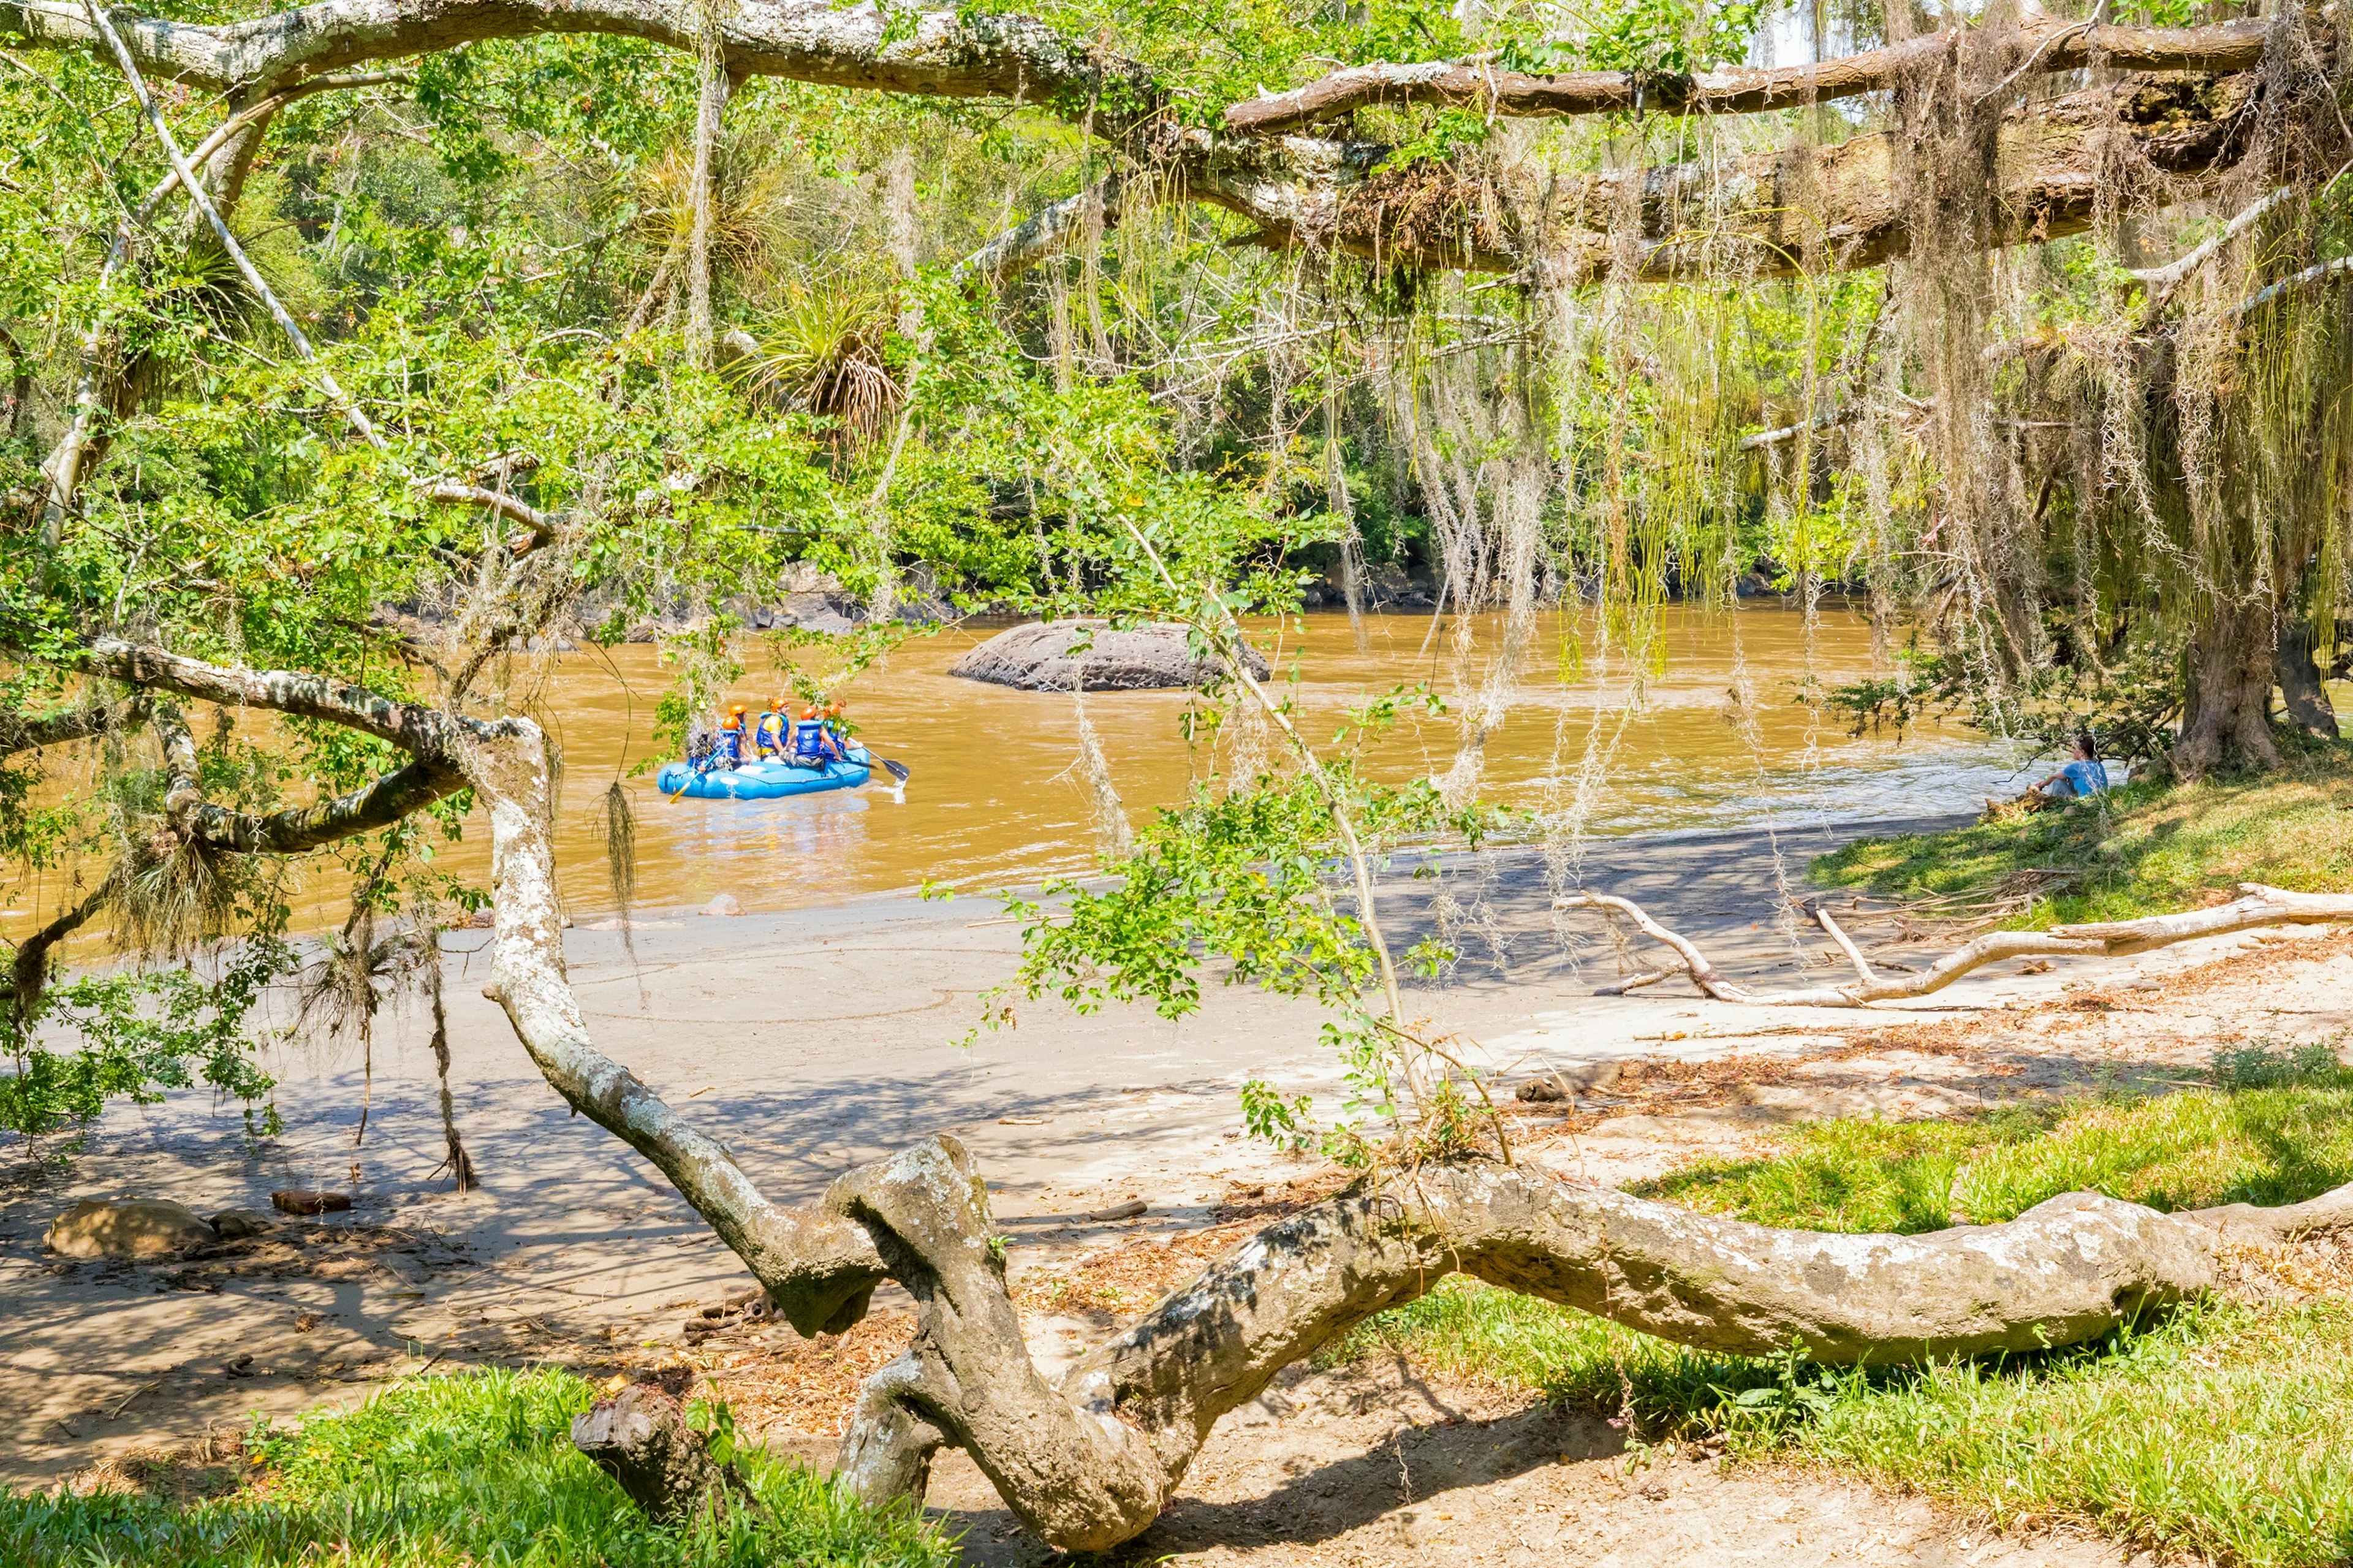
x: 1089, y: 1462
x: 2257, y: 908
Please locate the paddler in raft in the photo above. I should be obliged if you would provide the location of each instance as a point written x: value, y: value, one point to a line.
x: 772, y: 737
x: 730, y: 751
x: 816, y: 739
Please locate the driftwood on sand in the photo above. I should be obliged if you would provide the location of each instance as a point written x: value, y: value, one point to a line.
x: 2257, y: 906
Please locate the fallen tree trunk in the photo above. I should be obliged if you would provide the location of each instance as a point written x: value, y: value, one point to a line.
x: 2259, y: 907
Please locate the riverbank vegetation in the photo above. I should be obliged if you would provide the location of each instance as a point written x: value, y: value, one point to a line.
x: 443, y: 1472
x: 358, y: 357
x: 2150, y: 848
x: 2215, y: 1430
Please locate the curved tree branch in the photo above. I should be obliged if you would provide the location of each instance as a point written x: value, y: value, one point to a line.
x: 820, y: 1269
x: 28, y: 966
x: 1043, y: 233
x: 941, y: 53
x: 2055, y: 46
x: 296, y: 830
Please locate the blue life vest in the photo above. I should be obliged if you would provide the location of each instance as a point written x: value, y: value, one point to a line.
x: 772, y: 734
x: 809, y: 743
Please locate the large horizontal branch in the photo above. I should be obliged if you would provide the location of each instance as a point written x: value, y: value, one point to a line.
x: 21, y: 732
x: 298, y: 829
x: 2043, y: 45
x: 424, y: 733
x: 1764, y: 215
x: 941, y: 53
x: 2258, y: 908
x: 1089, y: 1462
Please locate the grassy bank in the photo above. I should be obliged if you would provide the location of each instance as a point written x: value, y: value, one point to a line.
x: 452, y: 1472
x: 2147, y: 848
x: 2218, y: 1430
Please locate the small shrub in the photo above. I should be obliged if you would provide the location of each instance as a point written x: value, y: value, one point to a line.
x: 2264, y: 1064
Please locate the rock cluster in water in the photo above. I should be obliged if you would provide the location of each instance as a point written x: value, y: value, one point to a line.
x: 1064, y: 656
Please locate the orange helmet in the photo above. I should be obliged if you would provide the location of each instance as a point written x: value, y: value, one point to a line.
x: 810, y: 712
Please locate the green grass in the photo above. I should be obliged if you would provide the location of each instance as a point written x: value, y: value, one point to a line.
x: 470, y: 1469
x: 2147, y: 848
x: 2282, y: 1137
x: 2219, y: 1430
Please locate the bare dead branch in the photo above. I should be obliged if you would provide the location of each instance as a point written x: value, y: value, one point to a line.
x: 1043, y: 233
x: 2259, y: 907
x: 1846, y: 945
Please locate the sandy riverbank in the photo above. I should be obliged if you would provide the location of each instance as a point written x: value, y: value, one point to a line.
x: 820, y: 1039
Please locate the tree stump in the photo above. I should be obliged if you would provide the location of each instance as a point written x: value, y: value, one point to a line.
x: 640, y: 1438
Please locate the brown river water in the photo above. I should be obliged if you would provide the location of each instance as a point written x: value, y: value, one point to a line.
x: 995, y: 799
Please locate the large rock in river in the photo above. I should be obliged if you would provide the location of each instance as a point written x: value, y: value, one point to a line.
x: 133, y: 1227
x: 1039, y: 657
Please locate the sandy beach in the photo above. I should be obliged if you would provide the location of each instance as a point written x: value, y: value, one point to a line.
x: 815, y: 1039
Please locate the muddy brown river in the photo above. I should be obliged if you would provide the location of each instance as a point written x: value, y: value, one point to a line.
x: 995, y: 799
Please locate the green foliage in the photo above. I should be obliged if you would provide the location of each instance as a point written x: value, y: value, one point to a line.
x: 451, y: 1472
x: 2129, y: 709
x: 143, y: 1032
x: 1242, y: 876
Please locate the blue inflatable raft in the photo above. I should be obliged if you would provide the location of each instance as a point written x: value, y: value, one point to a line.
x: 763, y: 780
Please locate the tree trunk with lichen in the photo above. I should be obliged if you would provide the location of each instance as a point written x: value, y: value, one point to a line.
x: 640, y: 1438
x: 2301, y: 693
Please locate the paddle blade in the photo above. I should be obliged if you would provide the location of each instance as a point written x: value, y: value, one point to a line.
x: 896, y: 770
